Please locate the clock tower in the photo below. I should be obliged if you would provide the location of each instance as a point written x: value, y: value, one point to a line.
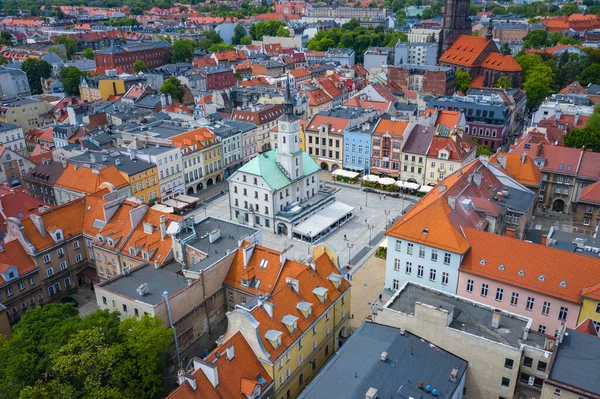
x: 289, y: 153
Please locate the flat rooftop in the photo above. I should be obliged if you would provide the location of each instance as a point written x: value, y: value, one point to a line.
x: 469, y: 316
x: 158, y: 280
x: 577, y: 243
x: 357, y: 367
x: 230, y: 236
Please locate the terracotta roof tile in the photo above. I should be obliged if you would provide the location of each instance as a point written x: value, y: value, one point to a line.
x: 543, y: 271
x: 591, y: 194
x: 521, y: 168
x: 87, y: 181
x: 395, y: 128
x: 13, y: 254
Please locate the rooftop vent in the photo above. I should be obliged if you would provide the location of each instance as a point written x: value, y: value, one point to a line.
x: 142, y: 289
x: 521, y: 272
x: 371, y: 393
x: 384, y: 356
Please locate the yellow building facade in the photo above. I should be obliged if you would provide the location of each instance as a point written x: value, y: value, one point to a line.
x: 590, y: 308
x: 144, y: 185
x: 93, y: 90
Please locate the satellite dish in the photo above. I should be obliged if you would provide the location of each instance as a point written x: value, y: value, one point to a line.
x: 173, y: 228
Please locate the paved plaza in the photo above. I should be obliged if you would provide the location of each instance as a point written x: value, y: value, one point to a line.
x: 356, y: 240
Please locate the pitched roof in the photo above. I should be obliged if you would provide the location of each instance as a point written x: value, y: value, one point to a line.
x: 88, y: 181
x: 336, y: 125
x: 264, y: 266
x: 16, y: 203
x: 592, y: 292
x: 395, y: 128
x: 13, y: 254
x: 591, y: 193
x: 317, y: 97
x: 458, y: 145
x: 285, y: 300
x: 238, y: 377
x: 531, y: 266
x: 587, y: 327
x: 465, y: 50
x: 501, y: 62
x: 265, y: 165
x: 519, y: 167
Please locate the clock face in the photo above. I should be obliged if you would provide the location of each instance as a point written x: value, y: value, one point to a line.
x: 283, y: 126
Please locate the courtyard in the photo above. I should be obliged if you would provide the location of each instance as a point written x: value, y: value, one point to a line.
x: 355, y: 241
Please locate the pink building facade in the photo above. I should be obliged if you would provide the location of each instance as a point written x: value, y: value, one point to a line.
x: 547, y: 312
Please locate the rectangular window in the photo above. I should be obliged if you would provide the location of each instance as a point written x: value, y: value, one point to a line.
x: 396, y: 264
x: 527, y: 361
x: 542, y: 366
x: 432, y: 274
x: 420, y: 271
x: 421, y: 252
x: 562, y: 314
x: 530, y: 303
x: 446, y: 258
x: 46, y: 258
x: 545, y: 308
x: 505, y: 382
x: 396, y: 284
x: 76, y: 244
x: 556, y: 392
x: 434, y: 254
x: 514, y: 299
x: 398, y: 245
x: 63, y: 265
x: 445, y: 278
x: 484, y: 290
x: 408, y: 269
x: 469, y: 285
x: 50, y: 272
x: 499, y: 294
x: 542, y: 329
x: 409, y: 249
x: 508, y: 363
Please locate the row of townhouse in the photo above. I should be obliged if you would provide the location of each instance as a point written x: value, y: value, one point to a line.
x: 472, y: 251
x: 90, y: 238
x: 423, y: 151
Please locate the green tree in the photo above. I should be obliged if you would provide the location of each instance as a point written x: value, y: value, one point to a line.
x: 5, y: 38
x: 571, y: 41
x: 139, y: 66
x: 55, y: 353
x: 536, y: 39
x: 238, y: 33
x: 173, y: 87
x: 183, y: 50
x: 246, y: 40
x: 219, y: 47
x: 58, y: 51
x: 88, y: 53
x: 282, y: 31
x: 569, y: 9
x: 36, y: 70
x: 591, y: 74
x: 70, y: 45
x: 504, y: 83
x: 482, y: 149
x: 71, y: 77
x: 538, y: 83
x: 3, y: 60
x: 463, y: 81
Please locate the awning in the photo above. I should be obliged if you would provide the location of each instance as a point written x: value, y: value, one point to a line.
x: 425, y: 189
x: 386, y: 181
x: 411, y: 186
x: 162, y: 208
x: 400, y: 183
x: 176, y: 204
x: 187, y: 198
x: 371, y: 178
x: 384, y: 243
x: 345, y: 173
x: 323, y: 219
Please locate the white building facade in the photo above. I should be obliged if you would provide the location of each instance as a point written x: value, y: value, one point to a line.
x: 409, y: 261
x: 11, y: 136
x: 170, y: 168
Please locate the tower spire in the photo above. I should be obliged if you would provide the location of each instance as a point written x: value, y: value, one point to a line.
x: 288, y: 101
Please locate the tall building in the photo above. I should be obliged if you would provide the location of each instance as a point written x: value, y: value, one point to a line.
x: 456, y: 23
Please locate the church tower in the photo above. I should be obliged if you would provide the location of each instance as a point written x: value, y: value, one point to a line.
x: 456, y: 23
x: 289, y: 153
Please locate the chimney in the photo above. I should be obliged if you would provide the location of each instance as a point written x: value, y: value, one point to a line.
x: 182, y: 377
x: 230, y: 352
x: 294, y: 284
x: 523, y: 159
x: 496, y: 318
x: 500, y: 196
x: 268, y: 307
x: 38, y: 222
x: 544, y: 240
x: 211, y: 372
x: 477, y: 178
x: 163, y: 228
x: 510, y: 232
x: 156, y: 264
x: 163, y: 101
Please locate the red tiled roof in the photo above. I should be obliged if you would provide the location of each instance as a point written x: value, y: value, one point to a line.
x: 591, y: 194
x: 543, y: 271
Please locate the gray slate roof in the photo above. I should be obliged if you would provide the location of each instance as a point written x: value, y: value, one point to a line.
x: 577, y: 362
x: 357, y: 366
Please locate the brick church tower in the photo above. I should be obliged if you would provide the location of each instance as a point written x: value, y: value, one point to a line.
x: 456, y: 23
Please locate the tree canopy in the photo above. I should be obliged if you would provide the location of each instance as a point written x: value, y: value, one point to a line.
x: 183, y: 50
x: 353, y: 36
x: 88, y: 53
x: 268, y: 28
x: 588, y: 136
x: 71, y: 76
x: 5, y: 38
x: 56, y: 353
x: 139, y: 66
x: 70, y: 46
x: 463, y: 81
x: 36, y: 70
x: 173, y: 87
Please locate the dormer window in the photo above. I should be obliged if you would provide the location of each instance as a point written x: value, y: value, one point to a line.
x: 321, y: 293
x: 244, y: 282
x: 305, y: 308
x: 57, y: 235
x: 145, y: 255
x: 100, y: 238
x: 291, y: 322
x: 274, y: 337
x: 132, y: 251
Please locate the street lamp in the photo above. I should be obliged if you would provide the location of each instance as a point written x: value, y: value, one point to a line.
x: 370, y: 227
x: 350, y: 246
x: 387, y: 214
